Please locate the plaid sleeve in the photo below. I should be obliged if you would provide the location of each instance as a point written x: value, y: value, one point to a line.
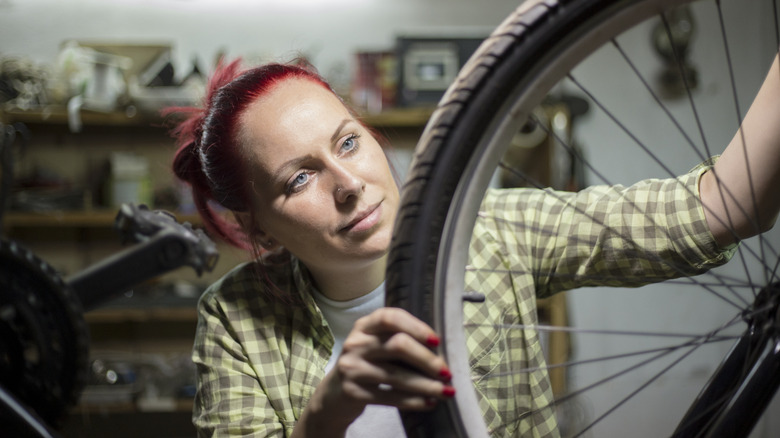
x: 608, y: 235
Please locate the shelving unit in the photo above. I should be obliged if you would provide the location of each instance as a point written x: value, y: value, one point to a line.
x: 78, y: 238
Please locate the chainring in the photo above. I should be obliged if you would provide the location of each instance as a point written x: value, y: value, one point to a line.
x: 44, y: 340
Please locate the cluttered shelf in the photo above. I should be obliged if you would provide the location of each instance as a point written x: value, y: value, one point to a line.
x: 413, y: 117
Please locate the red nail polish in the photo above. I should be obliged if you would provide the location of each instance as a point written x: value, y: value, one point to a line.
x: 433, y: 340
x: 431, y: 401
x: 448, y: 391
x: 445, y: 374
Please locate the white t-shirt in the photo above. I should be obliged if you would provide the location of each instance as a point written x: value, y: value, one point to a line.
x: 376, y: 421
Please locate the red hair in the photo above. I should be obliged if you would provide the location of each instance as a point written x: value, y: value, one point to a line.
x: 209, y: 156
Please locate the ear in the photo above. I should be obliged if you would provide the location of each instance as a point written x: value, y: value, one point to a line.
x: 254, y: 231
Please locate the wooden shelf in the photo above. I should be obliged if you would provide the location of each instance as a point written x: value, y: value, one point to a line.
x: 73, y: 219
x: 175, y: 405
x: 57, y: 115
x: 164, y: 314
x: 399, y: 118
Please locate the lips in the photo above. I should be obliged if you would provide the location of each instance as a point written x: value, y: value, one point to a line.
x: 364, y: 220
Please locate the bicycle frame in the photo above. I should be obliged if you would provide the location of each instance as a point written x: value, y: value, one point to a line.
x: 757, y: 353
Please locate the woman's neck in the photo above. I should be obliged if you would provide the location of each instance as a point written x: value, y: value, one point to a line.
x: 349, y: 283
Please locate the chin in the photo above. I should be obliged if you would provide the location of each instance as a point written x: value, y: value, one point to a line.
x: 383, y: 240
x: 373, y: 249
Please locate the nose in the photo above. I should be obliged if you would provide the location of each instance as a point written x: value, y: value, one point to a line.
x: 347, y: 185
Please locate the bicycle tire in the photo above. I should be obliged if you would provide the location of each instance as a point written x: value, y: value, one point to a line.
x: 511, y: 72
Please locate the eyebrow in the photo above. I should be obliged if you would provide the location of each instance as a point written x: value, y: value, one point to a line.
x: 298, y: 161
x: 279, y: 175
x: 336, y: 134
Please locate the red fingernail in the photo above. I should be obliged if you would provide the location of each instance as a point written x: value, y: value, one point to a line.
x: 431, y: 401
x: 433, y: 340
x: 448, y: 391
x: 445, y: 374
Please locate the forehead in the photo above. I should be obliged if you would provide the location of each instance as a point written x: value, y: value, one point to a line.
x: 294, y: 114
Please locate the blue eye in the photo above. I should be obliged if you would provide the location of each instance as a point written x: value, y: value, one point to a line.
x: 350, y: 143
x: 300, y: 180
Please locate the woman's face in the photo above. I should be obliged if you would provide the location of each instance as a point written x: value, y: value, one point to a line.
x: 324, y: 189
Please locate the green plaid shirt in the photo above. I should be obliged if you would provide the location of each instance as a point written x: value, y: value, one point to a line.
x: 259, y: 359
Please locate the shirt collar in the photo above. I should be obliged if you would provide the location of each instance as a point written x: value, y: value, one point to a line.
x: 304, y: 286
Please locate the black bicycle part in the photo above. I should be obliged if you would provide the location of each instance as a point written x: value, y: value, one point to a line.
x: 728, y: 408
x: 19, y: 420
x: 43, y: 337
x: 162, y: 245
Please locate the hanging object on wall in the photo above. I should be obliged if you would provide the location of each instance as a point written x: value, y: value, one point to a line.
x: 671, y: 38
x: 544, y: 152
x: 525, y: 159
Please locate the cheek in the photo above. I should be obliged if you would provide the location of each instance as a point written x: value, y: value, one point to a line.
x: 378, y: 165
x: 302, y: 216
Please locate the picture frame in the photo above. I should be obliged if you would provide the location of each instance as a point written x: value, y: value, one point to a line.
x: 428, y: 65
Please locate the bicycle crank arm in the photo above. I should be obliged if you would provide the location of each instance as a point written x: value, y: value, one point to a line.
x: 164, y: 245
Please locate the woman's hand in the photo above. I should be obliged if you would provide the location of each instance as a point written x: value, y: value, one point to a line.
x: 387, y: 359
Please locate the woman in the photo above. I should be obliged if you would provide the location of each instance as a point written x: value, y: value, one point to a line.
x: 297, y: 343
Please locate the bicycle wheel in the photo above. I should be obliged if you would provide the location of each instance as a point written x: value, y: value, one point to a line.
x: 574, y: 55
